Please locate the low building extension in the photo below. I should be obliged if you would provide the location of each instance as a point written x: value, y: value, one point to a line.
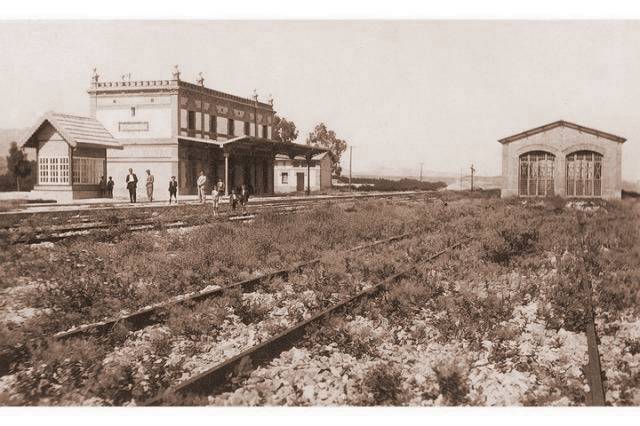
x: 292, y: 175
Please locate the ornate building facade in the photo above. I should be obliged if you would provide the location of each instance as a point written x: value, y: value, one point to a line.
x: 176, y: 128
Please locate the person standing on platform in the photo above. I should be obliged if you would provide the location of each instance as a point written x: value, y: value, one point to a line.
x: 244, y: 198
x: 110, y: 187
x: 173, y: 189
x: 220, y: 187
x: 103, y: 187
x: 202, y: 182
x: 217, y: 192
x: 132, y: 183
x: 233, y: 199
x: 149, y: 186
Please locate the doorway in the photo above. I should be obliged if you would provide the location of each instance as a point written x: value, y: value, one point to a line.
x: 299, y: 182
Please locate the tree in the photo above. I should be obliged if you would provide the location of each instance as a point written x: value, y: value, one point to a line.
x: 18, y: 164
x: 325, y: 138
x: 284, y: 130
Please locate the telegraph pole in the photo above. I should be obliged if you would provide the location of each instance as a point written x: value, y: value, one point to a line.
x: 472, y: 172
x: 350, y: 154
x: 421, y: 164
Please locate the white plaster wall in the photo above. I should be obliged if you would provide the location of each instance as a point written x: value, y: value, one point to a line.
x: 279, y: 187
x: 157, y: 113
x: 51, y: 143
x: 161, y: 171
x: 162, y: 160
x: 562, y: 141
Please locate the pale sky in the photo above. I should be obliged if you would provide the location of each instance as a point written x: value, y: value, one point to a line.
x: 401, y: 92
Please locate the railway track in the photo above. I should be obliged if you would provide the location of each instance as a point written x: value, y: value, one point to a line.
x: 86, y: 227
x: 219, y: 377
x: 223, y: 376
x: 157, y: 313
x: 90, y: 209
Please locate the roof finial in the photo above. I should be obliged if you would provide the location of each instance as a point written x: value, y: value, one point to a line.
x: 200, y: 79
x: 176, y: 73
x: 270, y: 99
x: 255, y: 95
x: 95, y: 76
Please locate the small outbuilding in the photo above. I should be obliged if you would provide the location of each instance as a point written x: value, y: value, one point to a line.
x: 291, y: 173
x: 563, y: 159
x: 71, y: 154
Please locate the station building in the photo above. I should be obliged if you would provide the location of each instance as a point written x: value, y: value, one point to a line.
x: 170, y: 127
x: 563, y: 159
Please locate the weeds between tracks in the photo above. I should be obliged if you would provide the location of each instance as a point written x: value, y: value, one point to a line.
x: 512, y: 288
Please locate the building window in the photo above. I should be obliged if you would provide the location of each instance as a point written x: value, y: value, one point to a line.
x: 584, y: 174
x: 87, y: 171
x: 230, y: 126
x: 536, y: 174
x: 264, y: 132
x: 213, y: 125
x: 222, y: 126
x: 247, y: 128
x: 206, y: 125
x: 53, y: 170
x: 183, y: 118
x: 191, y: 120
x: 285, y: 178
x: 133, y: 111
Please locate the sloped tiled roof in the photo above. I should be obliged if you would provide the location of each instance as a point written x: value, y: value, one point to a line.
x: 562, y: 123
x: 76, y: 130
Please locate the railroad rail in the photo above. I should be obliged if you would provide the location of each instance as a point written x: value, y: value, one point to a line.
x: 217, y: 378
x: 65, y: 231
x: 155, y: 313
x: 88, y: 208
x: 595, y: 395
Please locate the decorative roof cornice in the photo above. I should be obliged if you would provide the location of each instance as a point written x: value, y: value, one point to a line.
x: 110, y: 87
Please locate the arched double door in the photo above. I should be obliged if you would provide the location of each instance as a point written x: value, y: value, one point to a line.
x: 536, y: 174
x: 583, y: 174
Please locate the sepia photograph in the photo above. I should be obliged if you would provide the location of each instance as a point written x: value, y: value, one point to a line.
x: 319, y: 213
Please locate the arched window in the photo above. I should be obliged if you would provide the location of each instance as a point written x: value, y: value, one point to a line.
x: 535, y: 178
x: 584, y: 174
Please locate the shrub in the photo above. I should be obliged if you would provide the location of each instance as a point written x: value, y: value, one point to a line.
x: 384, y: 382
x: 509, y: 242
x: 405, y: 297
x: 453, y: 383
x: 203, y: 318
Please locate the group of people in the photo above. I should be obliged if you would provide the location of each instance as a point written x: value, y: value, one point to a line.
x: 106, y: 188
x: 235, y: 198
x: 132, y: 185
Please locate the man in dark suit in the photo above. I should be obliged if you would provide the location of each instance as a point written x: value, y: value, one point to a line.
x: 132, y: 183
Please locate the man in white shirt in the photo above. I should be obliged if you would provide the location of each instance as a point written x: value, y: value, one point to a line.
x: 202, y: 181
x: 132, y: 183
